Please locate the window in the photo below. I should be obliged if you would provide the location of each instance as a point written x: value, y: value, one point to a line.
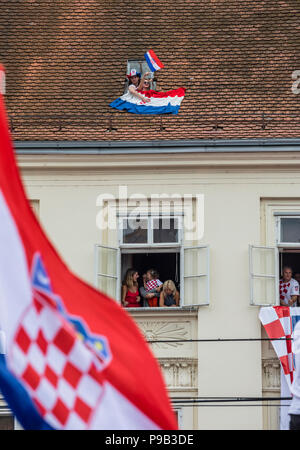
x: 154, y: 241
x: 150, y: 230
x: 141, y: 66
x: 288, y: 230
x: 280, y: 231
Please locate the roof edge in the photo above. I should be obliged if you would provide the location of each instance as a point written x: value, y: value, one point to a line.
x: 181, y: 146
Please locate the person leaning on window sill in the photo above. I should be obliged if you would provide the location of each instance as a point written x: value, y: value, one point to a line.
x: 149, y: 295
x: 169, y: 295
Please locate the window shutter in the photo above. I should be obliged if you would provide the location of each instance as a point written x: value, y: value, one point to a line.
x: 194, y: 284
x: 107, y: 270
x: 263, y: 275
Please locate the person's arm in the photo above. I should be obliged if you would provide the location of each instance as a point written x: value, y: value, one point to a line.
x: 176, y: 296
x: 292, y: 300
x: 124, y: 292
x: 142, y: 80
x: 138, y: 95
x: 162, y: 299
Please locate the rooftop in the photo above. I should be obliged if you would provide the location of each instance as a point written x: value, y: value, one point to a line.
x: 66, y: 61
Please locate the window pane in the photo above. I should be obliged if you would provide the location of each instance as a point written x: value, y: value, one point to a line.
x: 165, y: 229
x: 263, y: 291
x: 107, y: 270
x: 135, y: 231
x: 195, y: 261
x: 107, y: 261
x: 263, y: 261
x: 290, y: 230
x: 195, y: 291
x: 196, y: 276
x: 107, y: 285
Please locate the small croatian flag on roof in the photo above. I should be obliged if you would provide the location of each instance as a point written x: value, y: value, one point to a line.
x: 74, y: 358
x: 153, y: 62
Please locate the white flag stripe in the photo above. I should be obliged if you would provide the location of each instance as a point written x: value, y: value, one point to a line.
x: 15, y: 288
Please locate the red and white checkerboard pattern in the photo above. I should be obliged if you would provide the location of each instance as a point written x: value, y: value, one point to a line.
x: 61, y: 373
x: 283, y: 289
x: 152, y: 284
x: 278, y: 324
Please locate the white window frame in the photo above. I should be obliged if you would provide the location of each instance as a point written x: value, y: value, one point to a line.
x: 152, y: 247
x: 150, y: 243
x: 280, y: 216
x: 253, y: 275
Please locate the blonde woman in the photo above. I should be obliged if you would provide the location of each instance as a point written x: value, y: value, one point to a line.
x: 169, y: 295
x: 130, y: 290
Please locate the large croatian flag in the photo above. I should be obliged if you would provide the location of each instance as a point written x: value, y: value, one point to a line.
x: 153, y: 62
x: 160, y: 102
x: 279, y: 323
x: 74, y: 359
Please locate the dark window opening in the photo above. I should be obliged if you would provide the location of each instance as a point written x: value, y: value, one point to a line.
x: 291, y: 258
x: 166, y: 264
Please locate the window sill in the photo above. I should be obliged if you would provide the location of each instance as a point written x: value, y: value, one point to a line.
x: 164, y: 310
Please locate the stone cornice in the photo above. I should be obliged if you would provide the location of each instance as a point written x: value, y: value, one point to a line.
x: 259, y: 161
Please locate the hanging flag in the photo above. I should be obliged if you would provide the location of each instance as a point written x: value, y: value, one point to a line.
x: 153, y: 62
x: 74, y: 359
x: 279, y: 323
x: 160, y: 102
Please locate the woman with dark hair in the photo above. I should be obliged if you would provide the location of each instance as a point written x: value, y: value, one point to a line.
x: 134, y: 79
x: 130, y: 290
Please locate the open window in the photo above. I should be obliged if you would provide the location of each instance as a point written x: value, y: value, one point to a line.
x: 288, y: 242
x: 264, y: 275
x: 141, y: 66
x: 154, y: 241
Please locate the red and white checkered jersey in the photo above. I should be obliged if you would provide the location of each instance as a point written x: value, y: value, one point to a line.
x: 152, y: 284
x: 288, y: 289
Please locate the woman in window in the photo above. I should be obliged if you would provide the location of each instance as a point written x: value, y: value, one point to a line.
x: 136, y: 83
x: 134, y: 79
x: 130, y: 290
x: 169, y: 295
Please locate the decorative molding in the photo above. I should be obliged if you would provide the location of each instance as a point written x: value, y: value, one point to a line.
x: 160, y: 331
x: 180, y: 373
x: 47, y: 160
x: 271, y: 374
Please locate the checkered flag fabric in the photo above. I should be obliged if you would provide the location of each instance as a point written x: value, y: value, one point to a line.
x: 61, y: 373
x: 152, y: 284
x: 278, y: 324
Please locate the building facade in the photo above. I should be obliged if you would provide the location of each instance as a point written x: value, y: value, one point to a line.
x: 244, y: 189
x: 223, y: 174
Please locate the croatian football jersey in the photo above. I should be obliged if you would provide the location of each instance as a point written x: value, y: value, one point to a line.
x: 288, y: 289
